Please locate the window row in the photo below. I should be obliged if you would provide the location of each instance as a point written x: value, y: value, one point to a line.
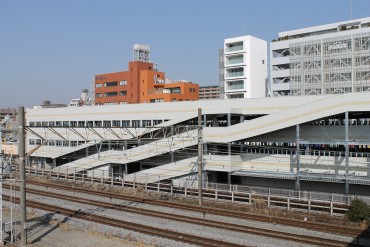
x: 111, y: 84
x: 58, y: 143
x: 110, y: 94
x: 99, y: 123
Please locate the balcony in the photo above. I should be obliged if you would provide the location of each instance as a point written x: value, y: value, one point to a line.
x: 234, y: 60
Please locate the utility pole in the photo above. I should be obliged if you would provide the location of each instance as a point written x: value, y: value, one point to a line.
x: 22, y: 195
x: 200, y: 156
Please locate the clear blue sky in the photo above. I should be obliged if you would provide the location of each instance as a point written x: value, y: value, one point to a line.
x: 51, y: 50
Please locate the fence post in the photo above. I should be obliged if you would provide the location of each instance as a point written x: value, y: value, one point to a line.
x: 232, y: 196
x: 268, y: 198
x: 171, y: 189
x: 111, y: 181
x: 146, y: 182
x: 102, y: 177
x: 186, y: 191
x: 331, y: 205
x: 309, y: 202
x: 288, y: 203
x: 92, y: 177
x: 250, y: 198
x: 74, y: 175
x: 133, y: 184
x: 216, y: 194
x: 123, y: 180
x: 159, y: 183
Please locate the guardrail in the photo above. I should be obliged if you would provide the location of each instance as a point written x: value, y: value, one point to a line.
x: 250, y: 195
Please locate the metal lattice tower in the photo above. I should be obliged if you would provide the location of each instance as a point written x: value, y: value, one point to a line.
x: 141, y: 53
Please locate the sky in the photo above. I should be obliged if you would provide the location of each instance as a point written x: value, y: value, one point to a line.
x: 51, y: 50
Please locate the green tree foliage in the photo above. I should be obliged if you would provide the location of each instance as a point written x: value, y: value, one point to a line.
x: 358, y: 210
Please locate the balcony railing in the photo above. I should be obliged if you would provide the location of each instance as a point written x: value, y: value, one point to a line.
x: 235, y: 87
x: 234, y: 74
x: 234, y: 48
x: 234, y: 61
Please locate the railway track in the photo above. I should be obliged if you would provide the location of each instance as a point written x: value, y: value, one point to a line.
x: 321, y: 227
x: 164, y: 233
x: 194, y: 220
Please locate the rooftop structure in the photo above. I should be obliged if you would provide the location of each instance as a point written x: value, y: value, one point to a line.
x: 84, y: 100
x: 327, y: 59
x: 48, y: 104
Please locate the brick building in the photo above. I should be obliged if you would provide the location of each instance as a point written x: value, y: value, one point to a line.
x: 142, y: 83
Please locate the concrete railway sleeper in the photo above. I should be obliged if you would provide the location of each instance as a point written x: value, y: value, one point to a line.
x: 321, y: 227
x: 194, y: 220
x: 164, y: 233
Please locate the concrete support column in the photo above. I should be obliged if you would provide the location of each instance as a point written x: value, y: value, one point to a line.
x: 205, y: 120
x: 241, y: 118
x: 229, y: 119
x: 214, y: 121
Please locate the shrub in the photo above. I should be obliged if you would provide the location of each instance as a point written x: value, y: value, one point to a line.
x: 358, y: 210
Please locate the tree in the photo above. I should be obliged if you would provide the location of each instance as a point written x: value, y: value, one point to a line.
x: 358, y: 210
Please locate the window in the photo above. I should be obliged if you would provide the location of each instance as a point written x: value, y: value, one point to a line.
x: 81, y: 124
x: 65, y: 143
x: 38, y: 124
x: 58, y: 143
x: 147, y: 123
x: 51, y: 142
x: 98, y: 95
x: 44, y: 124
x: 122, y: 102
x: 107, y: 124
x: 122, y: 83
x: 156, y: 122
x: 125, y: 123
x: 116, y: 123
x: 135, y: 123
x: 98, y: 85
x: 123, y: 93
x: 110, y: 94
x: 65, y: 124
x: 51, y: 124
x: 73, y: 143
x: 32, y: 142
x: 58, y: 123
x: 90, y: 123
x: 97, y: 124
x: 38, y: 141
x: 73, y: 123
x: 110, y: 84
x: 32, y: 123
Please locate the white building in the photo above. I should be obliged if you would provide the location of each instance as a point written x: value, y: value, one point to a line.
x: 245, y: 67
x: 327, y: 59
